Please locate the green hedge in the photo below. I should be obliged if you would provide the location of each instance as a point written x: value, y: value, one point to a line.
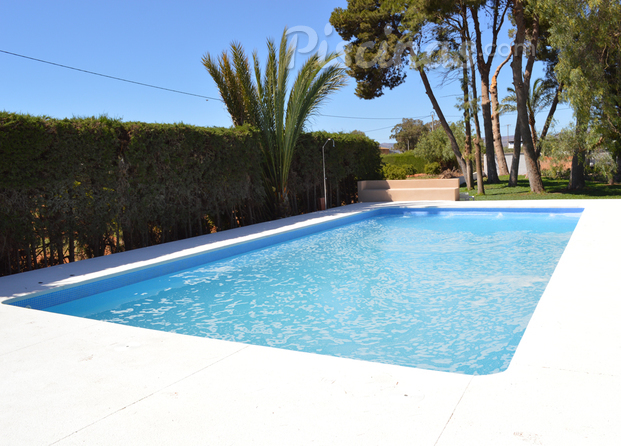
x: 352, y: 157
x: 405, y: 159
x: 79, y: 188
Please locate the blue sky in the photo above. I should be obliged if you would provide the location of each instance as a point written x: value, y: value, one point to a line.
x: 162, y: 42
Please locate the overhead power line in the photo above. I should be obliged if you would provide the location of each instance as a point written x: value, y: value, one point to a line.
x: 110, y: 77
x: 390, y: 127
x: 375, y: 130
x: 373, y: 119
x: 360, y: 117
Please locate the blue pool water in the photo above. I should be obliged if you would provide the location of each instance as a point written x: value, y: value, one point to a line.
x: 450, y: 291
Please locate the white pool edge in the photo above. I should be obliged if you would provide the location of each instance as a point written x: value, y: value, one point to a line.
x: 62, y: 276
x: 141, y: 386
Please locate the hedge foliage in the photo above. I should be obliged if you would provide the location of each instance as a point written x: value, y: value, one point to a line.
x: 407, y: 160
x: 397, y: 166
x: 85, y: 187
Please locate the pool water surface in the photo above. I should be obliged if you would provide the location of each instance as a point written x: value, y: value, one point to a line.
x: 450, y: 291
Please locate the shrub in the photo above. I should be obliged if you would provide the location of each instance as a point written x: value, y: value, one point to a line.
x: 556, y: 172
x: 601, y: 166
x: 435, y: 147
x: 392, y: 172
x: 410, y: 169
x: 433, y: 169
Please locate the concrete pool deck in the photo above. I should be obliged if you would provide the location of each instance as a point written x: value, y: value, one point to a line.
x: 66, y: 380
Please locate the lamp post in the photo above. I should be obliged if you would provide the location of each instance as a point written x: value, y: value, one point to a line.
x: 432, y: 119
x: 323, y: 158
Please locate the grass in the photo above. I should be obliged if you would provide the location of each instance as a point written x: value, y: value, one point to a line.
x: 555, y: 190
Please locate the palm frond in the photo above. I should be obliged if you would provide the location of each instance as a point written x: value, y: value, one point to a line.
x: 267, y: 103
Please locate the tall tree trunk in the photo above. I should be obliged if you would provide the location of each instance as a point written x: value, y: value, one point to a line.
x: 479, y: 163
x: 443, y: 121
x: 617, y: 176
x: 477, y: 140
x: 576, y: 177
x: 515, y: 161
x: 533, y: 130
x: 477, y: 154
x: 498, y: 149
x: 468, y: 175
x: 466, y: 89
x: 546, y: 127
x: 521, y: 92
x: 468, y: 143
x: 492, y: 171
x: 484, y: 67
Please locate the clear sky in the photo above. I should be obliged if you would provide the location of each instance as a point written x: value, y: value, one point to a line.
x: 161, y: 43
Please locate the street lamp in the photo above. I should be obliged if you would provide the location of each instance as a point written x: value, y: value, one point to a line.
x: 432, y: 119
x: 323, y: 157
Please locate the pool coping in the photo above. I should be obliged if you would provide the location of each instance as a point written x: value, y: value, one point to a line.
x: 77, y: 286
x: 94, y: 382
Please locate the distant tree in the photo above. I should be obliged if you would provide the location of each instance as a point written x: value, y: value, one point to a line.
x: 408, y: 133
x: 358, y: 132
x: 432, y: 125
x: 435, y: 146
x: 277, y: 107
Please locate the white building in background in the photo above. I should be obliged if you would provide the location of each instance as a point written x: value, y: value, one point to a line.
x: 508, y: 143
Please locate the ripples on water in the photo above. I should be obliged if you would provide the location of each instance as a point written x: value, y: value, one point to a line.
x: 445, y: 292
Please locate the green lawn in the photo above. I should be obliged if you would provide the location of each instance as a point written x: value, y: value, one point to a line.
x: 555, y: 189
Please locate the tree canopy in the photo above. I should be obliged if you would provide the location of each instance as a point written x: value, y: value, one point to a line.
x: 579, y: 42
x: 435, y: 147
x: 385, y: 38
x: 408, y: 133
x: 587, y: 37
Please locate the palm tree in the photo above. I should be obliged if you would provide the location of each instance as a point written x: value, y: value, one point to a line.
x: 235, y: 84
x: 267, y: 103
x: 540, y: 97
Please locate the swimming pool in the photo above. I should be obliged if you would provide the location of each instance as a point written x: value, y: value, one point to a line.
x: 356, y: 287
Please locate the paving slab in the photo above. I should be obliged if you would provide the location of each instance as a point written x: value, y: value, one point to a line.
x: 53, y: 388
x: 264, y: 396
x: 537, y: 406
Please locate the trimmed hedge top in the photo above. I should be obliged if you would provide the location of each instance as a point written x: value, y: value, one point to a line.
x: 77, y: 188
